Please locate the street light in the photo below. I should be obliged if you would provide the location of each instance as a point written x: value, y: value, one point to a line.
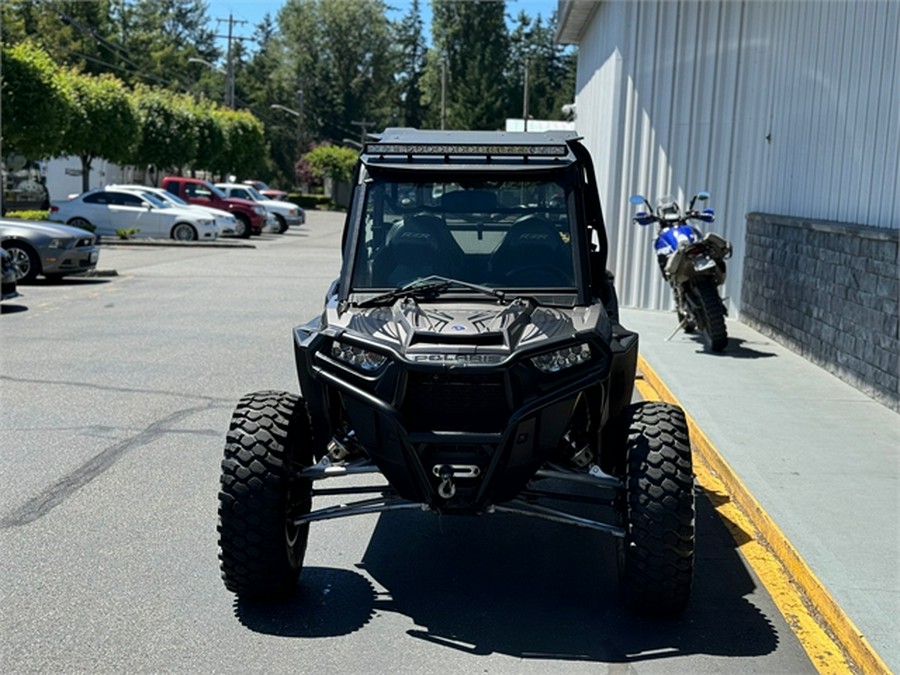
x: 229, y: 102
x: 289, y: 111
x: 206, y: 63
x: 299, y: 115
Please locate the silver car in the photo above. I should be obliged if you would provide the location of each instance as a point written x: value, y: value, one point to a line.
x: 48, y: 249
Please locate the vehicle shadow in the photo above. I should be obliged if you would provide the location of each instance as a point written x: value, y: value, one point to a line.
x: 69, y: 281
x: 495, y: 585
x: 12, y: 308
x: 736, y: 349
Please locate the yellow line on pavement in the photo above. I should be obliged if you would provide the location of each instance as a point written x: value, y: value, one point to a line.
x: 834, y: 644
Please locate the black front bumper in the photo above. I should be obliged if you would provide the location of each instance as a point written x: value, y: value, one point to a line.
x: 454, y: 438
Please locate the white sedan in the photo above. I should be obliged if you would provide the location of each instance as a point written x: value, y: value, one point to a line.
x: 225, y: 221
x: 110, y: 212
x: 287, y: 214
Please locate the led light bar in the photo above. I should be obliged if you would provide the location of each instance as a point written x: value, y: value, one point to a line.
x: 555, y: 150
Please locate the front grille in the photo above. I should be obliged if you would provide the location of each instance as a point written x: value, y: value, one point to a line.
x: 456, y: 402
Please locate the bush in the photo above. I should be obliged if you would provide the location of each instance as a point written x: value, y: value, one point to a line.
x: 308, y: 201
x: 28, y: 215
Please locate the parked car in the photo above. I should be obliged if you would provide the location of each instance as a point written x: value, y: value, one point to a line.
x: 9, y: 283
x: 49, y: 249
x: 287, y: 214
x: 266, y: 191
x: 109, y: 210
x: 251, y: 216
x: 226, y: 222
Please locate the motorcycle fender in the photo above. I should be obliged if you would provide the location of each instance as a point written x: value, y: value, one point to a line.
x: 703, y: 263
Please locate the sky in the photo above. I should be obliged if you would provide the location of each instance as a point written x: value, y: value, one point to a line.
x: 253, y: 11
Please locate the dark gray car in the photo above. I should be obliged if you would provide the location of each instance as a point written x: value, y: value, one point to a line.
x: 48, y: 249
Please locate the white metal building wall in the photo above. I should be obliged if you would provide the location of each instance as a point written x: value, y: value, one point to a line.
x: 785, y: 107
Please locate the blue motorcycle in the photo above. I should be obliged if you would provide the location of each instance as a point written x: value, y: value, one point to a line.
x: 693, y: 263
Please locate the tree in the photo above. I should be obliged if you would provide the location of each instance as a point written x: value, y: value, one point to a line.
x: 169, y: 134
x: 263, y: 82
x: 245, y: 145
x: 330, y: 161
x: 551, y: 68
x: 411, y: 51
x: 73, y: 33
x: 35, y: 102
x: 211, y: 141
x: 340, y: 54
x: 157, y: 37
x: 103, y: 122
x: 471, y: 38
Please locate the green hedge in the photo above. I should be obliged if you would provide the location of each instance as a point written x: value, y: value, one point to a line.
x: 28, y: 215
x: 308, y: 201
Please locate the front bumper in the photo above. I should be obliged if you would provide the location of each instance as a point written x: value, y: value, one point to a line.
x: 458, y: 440
x: 70, y: 261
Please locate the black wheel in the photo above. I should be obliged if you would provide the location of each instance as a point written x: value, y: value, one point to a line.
x: 715, y: 334
x: 81, y: 223
x: 260, y: 549
x: 282, y: 224
x: 25, y: 261
x: 184, y: 232
x: 656, y: 556
x: 242, y: 227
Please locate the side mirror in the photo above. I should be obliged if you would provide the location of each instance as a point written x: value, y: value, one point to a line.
x: 701, y: 196
x: 637, y: 200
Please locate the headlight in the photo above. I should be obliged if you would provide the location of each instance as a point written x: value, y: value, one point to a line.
x: 204, y: 221
x: 553, y: 362
x: 61, y: 242
x: 292, y: 212
x: 260, y: 210
x: 358, y: 357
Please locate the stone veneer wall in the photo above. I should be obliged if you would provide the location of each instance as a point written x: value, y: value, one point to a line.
x: 828, y: 291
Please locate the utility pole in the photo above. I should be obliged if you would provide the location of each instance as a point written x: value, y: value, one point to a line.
x: 443, y: 92
x: 525, y: 97
x: 229, y: 69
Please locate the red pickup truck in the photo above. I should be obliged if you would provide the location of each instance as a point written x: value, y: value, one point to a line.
x: 251, y: 216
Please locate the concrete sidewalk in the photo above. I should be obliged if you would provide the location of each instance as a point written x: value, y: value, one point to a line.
x: 819, y: 456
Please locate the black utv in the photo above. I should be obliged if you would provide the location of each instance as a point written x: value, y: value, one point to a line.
x: 470, y: 359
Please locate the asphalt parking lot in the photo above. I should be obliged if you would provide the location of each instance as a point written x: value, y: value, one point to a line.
x: 116, y: 395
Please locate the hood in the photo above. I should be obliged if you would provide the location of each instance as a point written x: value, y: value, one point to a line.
x: 242, y: 203
x: 413, y: 329
x: 280, y: 204
x: 23, y: 227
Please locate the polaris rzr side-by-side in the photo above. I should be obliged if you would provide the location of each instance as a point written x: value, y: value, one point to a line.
x: 469, y: 360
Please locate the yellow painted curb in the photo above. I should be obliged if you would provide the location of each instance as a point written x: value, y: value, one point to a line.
x: 833, y: 643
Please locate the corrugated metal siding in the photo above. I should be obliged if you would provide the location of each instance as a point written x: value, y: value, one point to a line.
x: 779, y: 107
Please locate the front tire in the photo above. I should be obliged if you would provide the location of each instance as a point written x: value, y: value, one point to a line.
x: 260, y: 550
x: 184, y: 232
x: 715, y: 334
x: 242, y: 228
x: 282, y: 224
x: 26, y: 262
x: 656, y: 556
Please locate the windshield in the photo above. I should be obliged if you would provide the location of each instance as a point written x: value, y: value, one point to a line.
x: 496, y: 233
x: 156, y: 201
x: 172, y: 199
